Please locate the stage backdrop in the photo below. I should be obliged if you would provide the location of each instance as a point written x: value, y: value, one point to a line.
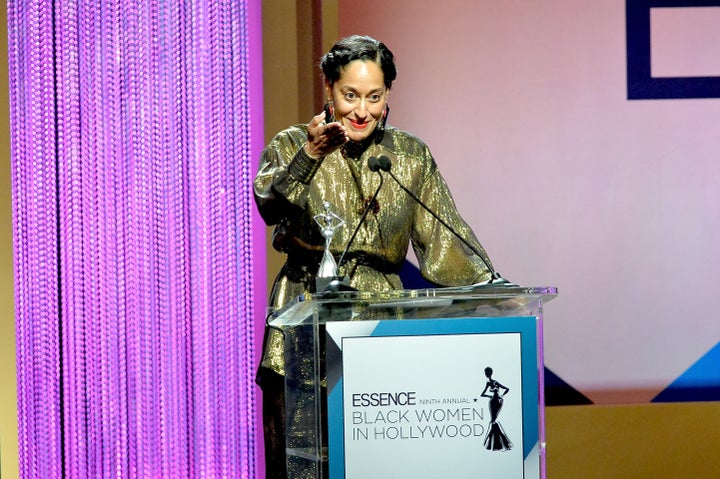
x: 135, y: 127
x: 567, y: 181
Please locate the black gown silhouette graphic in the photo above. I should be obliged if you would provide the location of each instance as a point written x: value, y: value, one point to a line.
x: 496, y: 439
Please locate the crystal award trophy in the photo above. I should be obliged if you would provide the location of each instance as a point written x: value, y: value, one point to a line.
x: 329, y: 222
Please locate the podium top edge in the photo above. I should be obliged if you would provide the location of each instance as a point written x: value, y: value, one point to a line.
x: 546, y: 293
x: 532, y: 294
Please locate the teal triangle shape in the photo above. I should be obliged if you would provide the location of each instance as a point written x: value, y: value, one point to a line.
x: 701, y: 382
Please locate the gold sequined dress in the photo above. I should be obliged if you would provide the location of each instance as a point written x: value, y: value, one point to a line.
x: 291, y: 189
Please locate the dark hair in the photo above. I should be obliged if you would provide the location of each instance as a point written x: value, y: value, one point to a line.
x: 358, y: 47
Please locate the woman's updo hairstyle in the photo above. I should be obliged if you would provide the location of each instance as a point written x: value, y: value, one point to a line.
x: 358, y: 47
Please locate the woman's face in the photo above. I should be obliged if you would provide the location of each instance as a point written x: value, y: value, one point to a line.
x: 359, y: 97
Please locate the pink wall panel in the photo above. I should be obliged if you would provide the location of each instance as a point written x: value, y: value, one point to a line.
x: 677, y: 31
x: 565, y: 181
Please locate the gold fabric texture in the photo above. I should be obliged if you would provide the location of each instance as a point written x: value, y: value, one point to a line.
x: 290, y: 189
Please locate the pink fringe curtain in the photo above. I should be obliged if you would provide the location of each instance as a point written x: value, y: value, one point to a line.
x: 131, y: 170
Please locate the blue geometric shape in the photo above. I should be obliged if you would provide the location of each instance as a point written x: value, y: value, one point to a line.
x: 641, y: 84
x: 412, y: 278
x: 701, y: 382
x: 560, y: 393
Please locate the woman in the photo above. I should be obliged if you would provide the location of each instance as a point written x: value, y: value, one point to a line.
x: 307, y: 167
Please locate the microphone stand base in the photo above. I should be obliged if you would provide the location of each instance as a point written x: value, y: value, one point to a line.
x: 333, y: 284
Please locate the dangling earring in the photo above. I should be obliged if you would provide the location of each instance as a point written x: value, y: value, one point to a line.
x: 380, y: 129
x: 329, y: 112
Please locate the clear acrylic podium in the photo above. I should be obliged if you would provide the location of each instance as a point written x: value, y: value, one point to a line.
x: 415, y: 383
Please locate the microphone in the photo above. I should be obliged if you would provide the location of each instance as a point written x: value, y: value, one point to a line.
x: 338, y: 284
x: 382, y: 163
x: 385, y: 164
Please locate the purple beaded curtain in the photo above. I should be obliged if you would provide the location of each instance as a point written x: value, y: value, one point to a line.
x: 131, y: 171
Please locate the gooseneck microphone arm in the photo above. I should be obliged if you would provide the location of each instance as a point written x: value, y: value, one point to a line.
x: 337, y: 283
x: 385, y: 164
x: 362, y: 218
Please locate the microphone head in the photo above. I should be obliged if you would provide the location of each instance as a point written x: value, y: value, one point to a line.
x: 384, y: 163
x: 373, y: 163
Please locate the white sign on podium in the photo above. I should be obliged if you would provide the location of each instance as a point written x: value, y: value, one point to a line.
x: 432, y: 397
